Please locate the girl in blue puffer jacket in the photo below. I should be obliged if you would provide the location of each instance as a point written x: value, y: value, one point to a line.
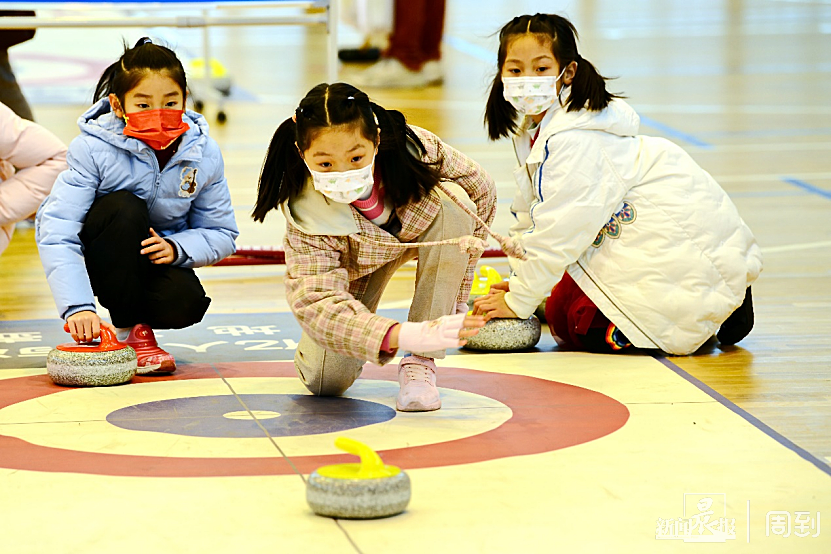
x: 143, y: 202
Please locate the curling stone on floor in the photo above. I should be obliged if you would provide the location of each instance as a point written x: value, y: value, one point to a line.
x: 502, y: 334
x: 92, y: 364
x: 366, y: 490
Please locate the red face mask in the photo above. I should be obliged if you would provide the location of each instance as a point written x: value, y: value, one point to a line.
x: 157, y: 128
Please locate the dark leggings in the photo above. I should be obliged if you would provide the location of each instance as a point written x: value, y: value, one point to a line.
x: 132, y: 288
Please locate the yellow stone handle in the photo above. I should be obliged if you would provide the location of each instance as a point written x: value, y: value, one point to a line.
x: 484, y: 278
x: 372, y: 466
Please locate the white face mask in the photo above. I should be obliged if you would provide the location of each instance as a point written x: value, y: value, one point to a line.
x: 343, y: 186
x: 531, y: 95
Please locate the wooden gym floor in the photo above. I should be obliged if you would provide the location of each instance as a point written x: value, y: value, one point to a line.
x: 532, y: 452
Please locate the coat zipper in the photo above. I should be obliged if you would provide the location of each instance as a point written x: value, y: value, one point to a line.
x: 158, y: 180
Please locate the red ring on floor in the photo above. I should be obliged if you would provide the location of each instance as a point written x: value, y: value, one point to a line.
x: 578, y: 416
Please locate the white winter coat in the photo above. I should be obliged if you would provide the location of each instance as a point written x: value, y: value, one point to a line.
x: 648, y: 235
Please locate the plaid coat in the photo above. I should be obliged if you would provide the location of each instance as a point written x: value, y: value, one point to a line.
x: 326, y: 268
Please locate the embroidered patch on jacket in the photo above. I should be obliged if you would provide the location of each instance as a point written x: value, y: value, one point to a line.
x: 188, y: 185
x: 613, y: 229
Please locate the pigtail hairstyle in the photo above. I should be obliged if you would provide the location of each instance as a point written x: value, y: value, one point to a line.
x: 588, y: 87
x: 283, y: 175
x: 145, y: 57
x: 283, y: 172
x: 408, y: 178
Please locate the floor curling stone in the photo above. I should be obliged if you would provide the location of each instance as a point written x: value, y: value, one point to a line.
x: 502, y: 334
x: 366, y: 490
x: 93, y: 364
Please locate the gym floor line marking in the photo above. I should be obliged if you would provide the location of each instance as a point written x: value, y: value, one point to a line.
x: 794, y: 247
x: 674, y: 133
x: 747, y: 416
x: 473, y: 50
x: 807, y: 186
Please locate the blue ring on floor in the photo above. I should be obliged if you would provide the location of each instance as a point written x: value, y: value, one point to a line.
x: 281, y: 415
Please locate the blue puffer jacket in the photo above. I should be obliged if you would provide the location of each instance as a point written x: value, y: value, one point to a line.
x: 103, y: 160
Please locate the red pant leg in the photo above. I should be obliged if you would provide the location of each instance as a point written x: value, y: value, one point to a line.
x: 417, y: 30
x: 570, y: 313
x: 433, y: 30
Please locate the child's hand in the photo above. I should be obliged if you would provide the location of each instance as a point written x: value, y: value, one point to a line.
x: 85, y: 326
x: 493, y: 305
x: 160, y: 251
x: 502, y: 285
x: 445, y: 332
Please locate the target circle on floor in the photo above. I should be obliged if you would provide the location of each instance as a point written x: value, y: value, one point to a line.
x: 279, y: 415
x: 529, y: 422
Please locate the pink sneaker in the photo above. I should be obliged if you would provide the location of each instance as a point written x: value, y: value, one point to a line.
x: 417, y: 377
x: 152, y: 360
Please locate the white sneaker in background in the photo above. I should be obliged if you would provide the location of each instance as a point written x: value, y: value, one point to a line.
x: 433, y: 72
x: 390, y: 73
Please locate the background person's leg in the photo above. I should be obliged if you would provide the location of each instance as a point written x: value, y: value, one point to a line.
x: 432, y: 30
x: 10, y: 93
x: 410, y: 20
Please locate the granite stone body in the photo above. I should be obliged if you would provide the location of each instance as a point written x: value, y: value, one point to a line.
x: 91, y: 369
x: 358, y: 498
x: 507, y: 334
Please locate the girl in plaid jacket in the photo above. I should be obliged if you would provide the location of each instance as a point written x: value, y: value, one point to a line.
x: 362, y: 193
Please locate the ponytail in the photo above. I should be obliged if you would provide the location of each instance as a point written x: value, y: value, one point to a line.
x: 409, y: 178
x: 283, y: 172
x: 104, y: 86
x: 500, y: 115
x: 588, y: 88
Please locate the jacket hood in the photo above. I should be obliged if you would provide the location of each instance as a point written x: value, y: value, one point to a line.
x: 618, y: 118
x: 99, y: 121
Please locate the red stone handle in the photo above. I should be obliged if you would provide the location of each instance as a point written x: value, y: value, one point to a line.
x: 108, y: 339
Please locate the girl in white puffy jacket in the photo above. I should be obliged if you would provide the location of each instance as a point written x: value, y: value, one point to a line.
x: 641, y: 246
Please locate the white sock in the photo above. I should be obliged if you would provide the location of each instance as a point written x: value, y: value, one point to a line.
x: 121, y: 333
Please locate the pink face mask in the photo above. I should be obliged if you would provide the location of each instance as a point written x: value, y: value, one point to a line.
x: 156, y: 128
